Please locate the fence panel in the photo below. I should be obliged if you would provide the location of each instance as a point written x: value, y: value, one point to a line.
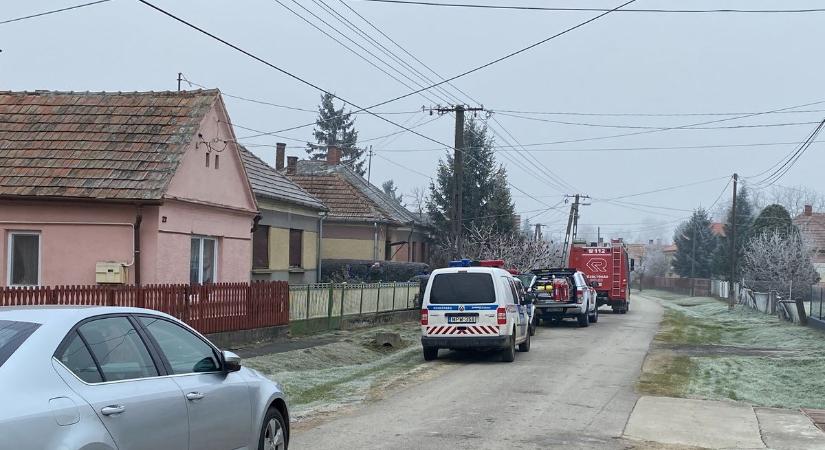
x: 210, y: 308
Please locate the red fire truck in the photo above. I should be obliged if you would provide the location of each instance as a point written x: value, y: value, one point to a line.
x: 609, y: 266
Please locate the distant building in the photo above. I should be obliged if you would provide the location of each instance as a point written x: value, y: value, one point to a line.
x: 285, y: 243
x: 363, y: 222
x: 812, y: 226
x: 140, y: 187
x: 718, y: 229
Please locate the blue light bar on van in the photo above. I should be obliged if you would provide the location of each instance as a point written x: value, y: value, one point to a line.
x: 461, y: 263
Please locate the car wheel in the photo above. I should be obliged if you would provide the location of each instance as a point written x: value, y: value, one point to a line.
x: 273, y: 432
x: 509, y: 354
x: 430, y: 353
x: 525, y: 346
x: 583, y: 320
x: 595, y: 316
x: 533, y: 325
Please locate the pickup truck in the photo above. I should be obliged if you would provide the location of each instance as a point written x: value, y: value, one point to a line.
x: 564, y: 293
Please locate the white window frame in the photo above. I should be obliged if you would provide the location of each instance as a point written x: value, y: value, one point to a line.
x: 201, y: 240
x: 39, y: 256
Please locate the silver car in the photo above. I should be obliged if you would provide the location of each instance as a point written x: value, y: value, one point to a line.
x: 127, y: 379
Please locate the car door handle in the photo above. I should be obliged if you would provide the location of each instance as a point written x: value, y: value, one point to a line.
x: 195, y: 396
x: 112, y: 410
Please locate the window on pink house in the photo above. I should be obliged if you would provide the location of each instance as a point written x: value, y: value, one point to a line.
x: 23, y: 259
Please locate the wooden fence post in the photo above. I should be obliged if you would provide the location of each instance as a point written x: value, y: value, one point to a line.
x: 361, y: 306
x: 250, y: 304
x: 394, y: 284
x: 308, y: 295
x: 378, y: 302
x: 330, y: 304
x: 52, y: 296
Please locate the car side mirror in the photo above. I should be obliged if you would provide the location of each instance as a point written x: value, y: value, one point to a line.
x: 231, y: 362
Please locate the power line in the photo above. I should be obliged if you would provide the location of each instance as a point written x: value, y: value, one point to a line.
x: 643, y: 127
x: 781, y: 171
x: 669, y: 188
x: 511, y: 148
x: 636, y: 10
x: 690, y: 114
x: 45, y: 13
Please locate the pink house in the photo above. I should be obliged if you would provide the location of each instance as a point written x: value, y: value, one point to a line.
x: 148, y: 184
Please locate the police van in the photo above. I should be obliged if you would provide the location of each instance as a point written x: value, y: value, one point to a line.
x: 474, y: 305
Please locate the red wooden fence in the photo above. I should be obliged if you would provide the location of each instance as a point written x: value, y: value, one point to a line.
x: 209, y: 308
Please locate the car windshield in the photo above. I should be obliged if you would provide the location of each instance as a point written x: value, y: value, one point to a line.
x: 462, y: 287
x: 526, y: 279
x: 12, y: 334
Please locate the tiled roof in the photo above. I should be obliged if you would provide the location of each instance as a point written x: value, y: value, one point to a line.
x: 348, y: 195
x: 267, y: 182
x: 813, y: 228
x: 102, y: 145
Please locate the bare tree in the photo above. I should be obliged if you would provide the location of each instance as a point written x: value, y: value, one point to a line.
x: 418, y: 204
x: 517, y: 251
x: 793, y: 198
x: 655, y: 263
x: 781, y: 262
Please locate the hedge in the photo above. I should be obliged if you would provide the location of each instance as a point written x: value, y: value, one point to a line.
x: 355, y: 270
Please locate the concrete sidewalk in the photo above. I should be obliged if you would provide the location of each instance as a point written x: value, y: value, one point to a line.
x: 721, y: 425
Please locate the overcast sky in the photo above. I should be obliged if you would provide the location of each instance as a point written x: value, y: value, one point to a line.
x: 633, y: 63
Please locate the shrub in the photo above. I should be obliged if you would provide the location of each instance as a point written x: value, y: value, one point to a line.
x: 365, y: 271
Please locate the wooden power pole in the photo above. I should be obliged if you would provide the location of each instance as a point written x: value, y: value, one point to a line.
x: 457, y: 195
x: 734, y: 215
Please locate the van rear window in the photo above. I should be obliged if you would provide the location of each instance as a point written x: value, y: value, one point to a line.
x: 462, y: 287
x: 12, y: 334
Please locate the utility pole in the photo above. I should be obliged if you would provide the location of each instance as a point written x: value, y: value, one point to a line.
x: 458, y: 172
x: 572, y: 226
x: 369, y: 165
x: 731, y: 294
x: 538, y: 232
x: 180, y: 78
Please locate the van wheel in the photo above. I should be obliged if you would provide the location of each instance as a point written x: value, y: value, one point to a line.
x: 525, y: 346
x: 583, y: 320
x: 595, y: 316
x: 430, y: 353
x: 509, y: 354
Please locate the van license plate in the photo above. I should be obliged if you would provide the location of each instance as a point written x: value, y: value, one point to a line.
x: 462, y: 319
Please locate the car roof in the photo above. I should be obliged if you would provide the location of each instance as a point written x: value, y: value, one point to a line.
x: 473, y: 269
x: 63, y: 315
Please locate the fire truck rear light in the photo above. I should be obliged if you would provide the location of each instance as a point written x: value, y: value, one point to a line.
x: 501, y: 316
x: 425, y: 317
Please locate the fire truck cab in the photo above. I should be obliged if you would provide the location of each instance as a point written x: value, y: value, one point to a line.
x: 608, y: 265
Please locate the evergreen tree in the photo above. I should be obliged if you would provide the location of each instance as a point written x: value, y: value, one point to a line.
x: 527, y: 227
x: 391, y: 189
x: 695, y: 246
x: 744, y: 221
x: 774, y: 218
x: 335, y: 127
x: 486, y: 196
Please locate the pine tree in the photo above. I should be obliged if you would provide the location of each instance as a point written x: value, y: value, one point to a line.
x: 486, y: 195
x: 335, y: 127
x: 695, y: 246
x: 744, y: 221
x: 774, y: 218
x: 391, y: 189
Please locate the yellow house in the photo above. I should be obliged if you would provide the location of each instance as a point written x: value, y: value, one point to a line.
x: 286, y: 237
x: 363, y: 223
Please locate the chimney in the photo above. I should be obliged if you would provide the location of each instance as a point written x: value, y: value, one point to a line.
x: 650, y: 242
x: 280, y: 153
x: 291, y: 165
x: 659, y: 241
x: 333, y: 155
x: 809, y: 210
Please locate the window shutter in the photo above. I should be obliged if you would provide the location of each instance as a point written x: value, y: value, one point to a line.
x: 260, y: 247
x: 296, y: 250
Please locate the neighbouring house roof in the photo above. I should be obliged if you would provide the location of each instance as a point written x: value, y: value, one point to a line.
x: 718, y: 229
x: 670, y: 248
x: 813, y: 227
x: 349, y: 196
x: 269, y: 183
x: 98, y: 145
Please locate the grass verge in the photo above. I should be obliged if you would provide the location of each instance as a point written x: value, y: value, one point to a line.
x: 326, y: 378
x: 703, y: 350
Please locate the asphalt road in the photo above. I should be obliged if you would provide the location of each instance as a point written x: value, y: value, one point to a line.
x: 574, y: 389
